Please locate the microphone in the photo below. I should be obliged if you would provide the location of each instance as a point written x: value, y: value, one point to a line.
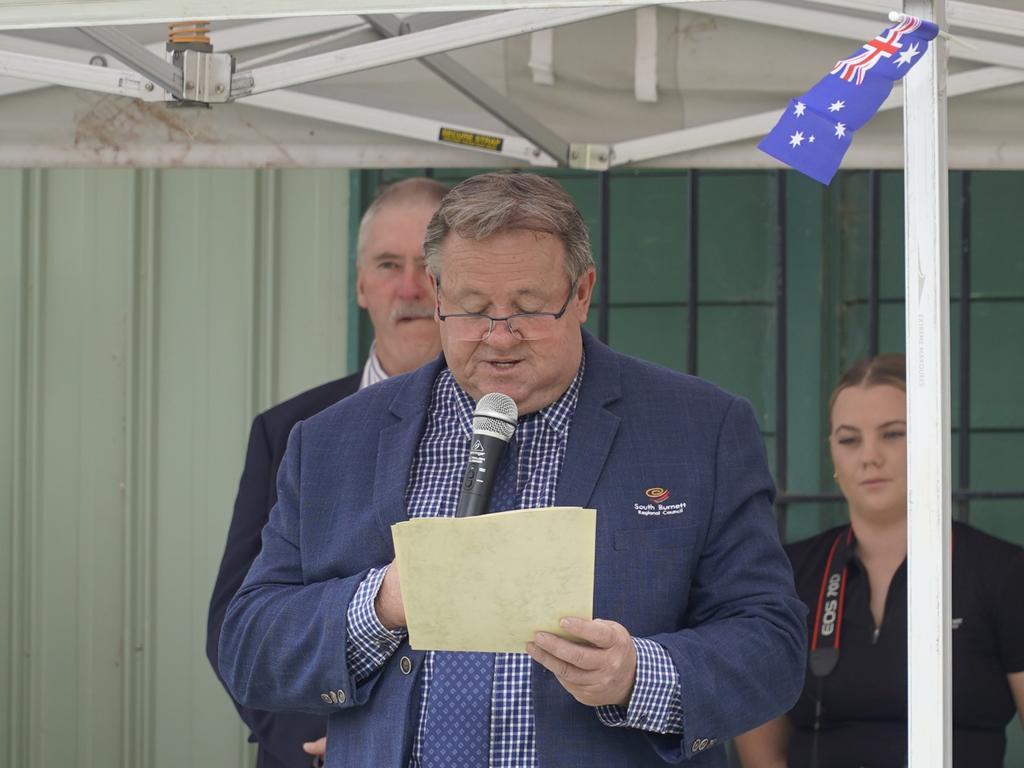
x: 494, y: 421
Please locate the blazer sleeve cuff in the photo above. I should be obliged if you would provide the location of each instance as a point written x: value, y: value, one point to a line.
x: 656, y: 702
x: 368, y: 644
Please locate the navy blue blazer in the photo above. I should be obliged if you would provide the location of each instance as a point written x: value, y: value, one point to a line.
x: 279, y: 735
x: 708, y: 581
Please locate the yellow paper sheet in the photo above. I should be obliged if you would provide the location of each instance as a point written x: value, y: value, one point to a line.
x: 488, y: 583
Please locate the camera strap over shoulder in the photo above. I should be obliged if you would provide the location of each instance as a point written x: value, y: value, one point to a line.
x: 828, y: 616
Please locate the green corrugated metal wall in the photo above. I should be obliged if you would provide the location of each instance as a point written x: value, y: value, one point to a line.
x: 145, y: 316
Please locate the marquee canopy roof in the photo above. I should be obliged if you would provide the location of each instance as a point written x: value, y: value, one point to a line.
x: 687, y: 84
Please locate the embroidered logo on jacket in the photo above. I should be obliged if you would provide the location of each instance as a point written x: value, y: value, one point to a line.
x: 656, y: 505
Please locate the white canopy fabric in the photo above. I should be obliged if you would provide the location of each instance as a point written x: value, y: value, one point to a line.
x: 707, y: 78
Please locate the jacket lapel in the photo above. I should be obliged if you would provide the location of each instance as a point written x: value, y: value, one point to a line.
x: 593, y: 426
x: 397, y: 446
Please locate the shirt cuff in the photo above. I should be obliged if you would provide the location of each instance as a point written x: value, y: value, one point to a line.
x: 656, y: 702
x: 368, y: 643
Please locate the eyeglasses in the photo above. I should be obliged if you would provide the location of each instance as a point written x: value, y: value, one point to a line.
x: 525, y: 326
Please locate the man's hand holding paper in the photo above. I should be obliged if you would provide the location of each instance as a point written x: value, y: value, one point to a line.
x: 489, y: 576
x: 600, y: 673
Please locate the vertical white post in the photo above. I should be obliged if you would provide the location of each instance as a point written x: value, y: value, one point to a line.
x: 929, y: 640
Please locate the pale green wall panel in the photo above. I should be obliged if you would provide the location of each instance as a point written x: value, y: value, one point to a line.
x: 147, y: 316
x: 13, y: 191
x: 78, y: 550
x: 202, y: 316
x: 316, y: 229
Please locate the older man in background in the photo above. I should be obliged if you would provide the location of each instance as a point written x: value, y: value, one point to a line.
x: 394, y: 289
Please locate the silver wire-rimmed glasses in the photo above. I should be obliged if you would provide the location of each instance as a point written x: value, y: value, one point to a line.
x: 525, y: 326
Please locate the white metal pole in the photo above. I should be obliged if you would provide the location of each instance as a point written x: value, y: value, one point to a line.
x: 929, y: 641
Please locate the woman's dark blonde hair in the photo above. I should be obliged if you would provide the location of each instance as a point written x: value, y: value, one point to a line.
x: 871, y: 372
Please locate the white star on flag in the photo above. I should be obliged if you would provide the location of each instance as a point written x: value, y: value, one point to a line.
x: 840, y: 130
x: 798, y: 110
x: 907, y: 55
x: 796, y: 139
x: 837, y: 105
x: 811, y: 138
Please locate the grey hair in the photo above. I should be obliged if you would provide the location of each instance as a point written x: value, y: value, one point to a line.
x: 414, y: 191
x: 490, y: 203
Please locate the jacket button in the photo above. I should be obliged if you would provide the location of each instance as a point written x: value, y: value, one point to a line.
x: 334, y: 697
x: 405, y: 664
x: 703, y: 744
x: 341, y: 697
x: 326, y: 698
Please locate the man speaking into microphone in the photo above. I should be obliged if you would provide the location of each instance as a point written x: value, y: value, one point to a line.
x: 700, y: 635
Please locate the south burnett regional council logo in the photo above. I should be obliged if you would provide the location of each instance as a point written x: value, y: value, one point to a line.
x: 657, y: 494
x: 655, y: 505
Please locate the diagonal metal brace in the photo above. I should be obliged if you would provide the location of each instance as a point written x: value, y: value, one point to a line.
x: 137, y: 56
x: 494, y: 102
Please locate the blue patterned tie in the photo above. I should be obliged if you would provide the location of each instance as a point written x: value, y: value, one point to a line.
x: 458, y: 723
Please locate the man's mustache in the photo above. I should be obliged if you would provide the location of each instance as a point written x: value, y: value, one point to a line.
x: 410, y: 311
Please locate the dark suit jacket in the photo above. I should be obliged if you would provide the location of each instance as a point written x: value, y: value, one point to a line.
x: 280, y: 736
x: 707, y: 580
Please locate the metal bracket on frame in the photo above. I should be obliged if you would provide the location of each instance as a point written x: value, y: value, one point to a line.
x: 206, y: 77
x: 590, y: 157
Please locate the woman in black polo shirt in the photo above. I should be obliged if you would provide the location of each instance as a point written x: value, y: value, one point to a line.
x: 853, y: 709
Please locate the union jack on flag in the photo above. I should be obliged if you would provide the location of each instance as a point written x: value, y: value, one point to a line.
x: 815, y: 131
x: 883, y: 46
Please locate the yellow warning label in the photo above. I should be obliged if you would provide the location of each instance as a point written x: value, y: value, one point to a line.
x: 470, y: 139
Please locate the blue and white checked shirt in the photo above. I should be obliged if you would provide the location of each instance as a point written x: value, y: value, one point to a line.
x: 433, y: 490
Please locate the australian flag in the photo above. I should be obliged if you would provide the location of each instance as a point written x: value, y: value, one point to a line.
x: 815, y: 131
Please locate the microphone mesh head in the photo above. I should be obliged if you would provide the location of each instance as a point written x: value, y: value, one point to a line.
x: 496, y: 413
